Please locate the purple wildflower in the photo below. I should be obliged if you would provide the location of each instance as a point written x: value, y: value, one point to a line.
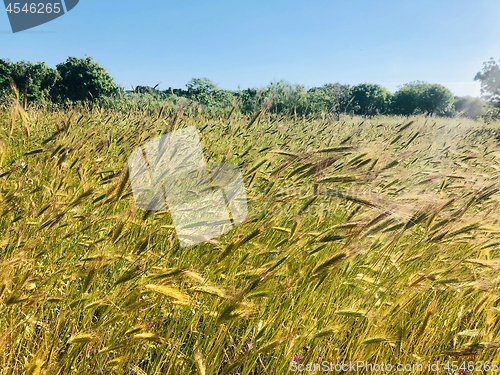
x: 88, y: 352
x: 296, y: 358
x: 462, y: 372
x: 150, y: 324
x: 247, y: 347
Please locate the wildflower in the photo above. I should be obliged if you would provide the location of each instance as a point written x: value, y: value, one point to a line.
x: 88, y: 352
x: 150, y: 324
x: 296, y: 358
x: 462, y: 372
x: 471, y: 356
x: 247, y: 347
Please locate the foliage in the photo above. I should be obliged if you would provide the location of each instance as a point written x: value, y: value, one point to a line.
x: 147, y: 90
x: 220, y: 98
x: 490, y: 81
x: 208, y: 95
x: 468, y: 106
x: 420, y: 97
x: 374, y: 239
x: 436, y: 99
x: 286, y: 98
x: 199, y: 86
x: 4, y: 71
x: 250, y: 100
x: 331, y: 97
x: 83, y: 79
x: 36, y: 80
x: 405, y: 100
x: 370, y: 99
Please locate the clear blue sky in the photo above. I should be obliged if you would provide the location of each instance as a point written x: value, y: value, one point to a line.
x: 251, y: 43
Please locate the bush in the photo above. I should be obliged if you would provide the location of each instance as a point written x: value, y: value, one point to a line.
x: 83, y: 79
x: 34, y: 81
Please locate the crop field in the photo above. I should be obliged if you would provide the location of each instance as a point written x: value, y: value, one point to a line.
x: 367, y: 239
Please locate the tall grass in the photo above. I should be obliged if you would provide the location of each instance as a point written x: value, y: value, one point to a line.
x: 367, y: 239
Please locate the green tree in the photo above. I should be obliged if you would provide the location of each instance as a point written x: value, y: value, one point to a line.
x: 5, y: 92
x: 200, y: 90
x: 206, y: 93
x: 199, y: 86
x: 490, y: 81
x: 286, y: 98
x: 370, y: 99
x: 36, y: 80
x: 220, y: 98
x: 331, y: 97
x: 405, y: 100
x: 421, y: 97
x: 146, y: 90
x: 83, y: 79
x: 436, y: 99
x: 4, y: 71
x: 250, y: 100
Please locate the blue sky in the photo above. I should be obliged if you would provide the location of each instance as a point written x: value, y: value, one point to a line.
x: 251, y: 43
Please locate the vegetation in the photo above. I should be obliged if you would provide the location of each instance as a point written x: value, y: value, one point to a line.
x: 469, y: 107
x: 74, y: 80
x: 334, y: 98
x: 36, y: 80
x: 80, y: 80
x: 368, y: 239
x: 490, y: 81
x: 370, y: 99
x: 420, y: 97
x: 83, y: 79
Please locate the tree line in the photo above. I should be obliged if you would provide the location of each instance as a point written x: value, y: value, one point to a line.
x: 84, y: 80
